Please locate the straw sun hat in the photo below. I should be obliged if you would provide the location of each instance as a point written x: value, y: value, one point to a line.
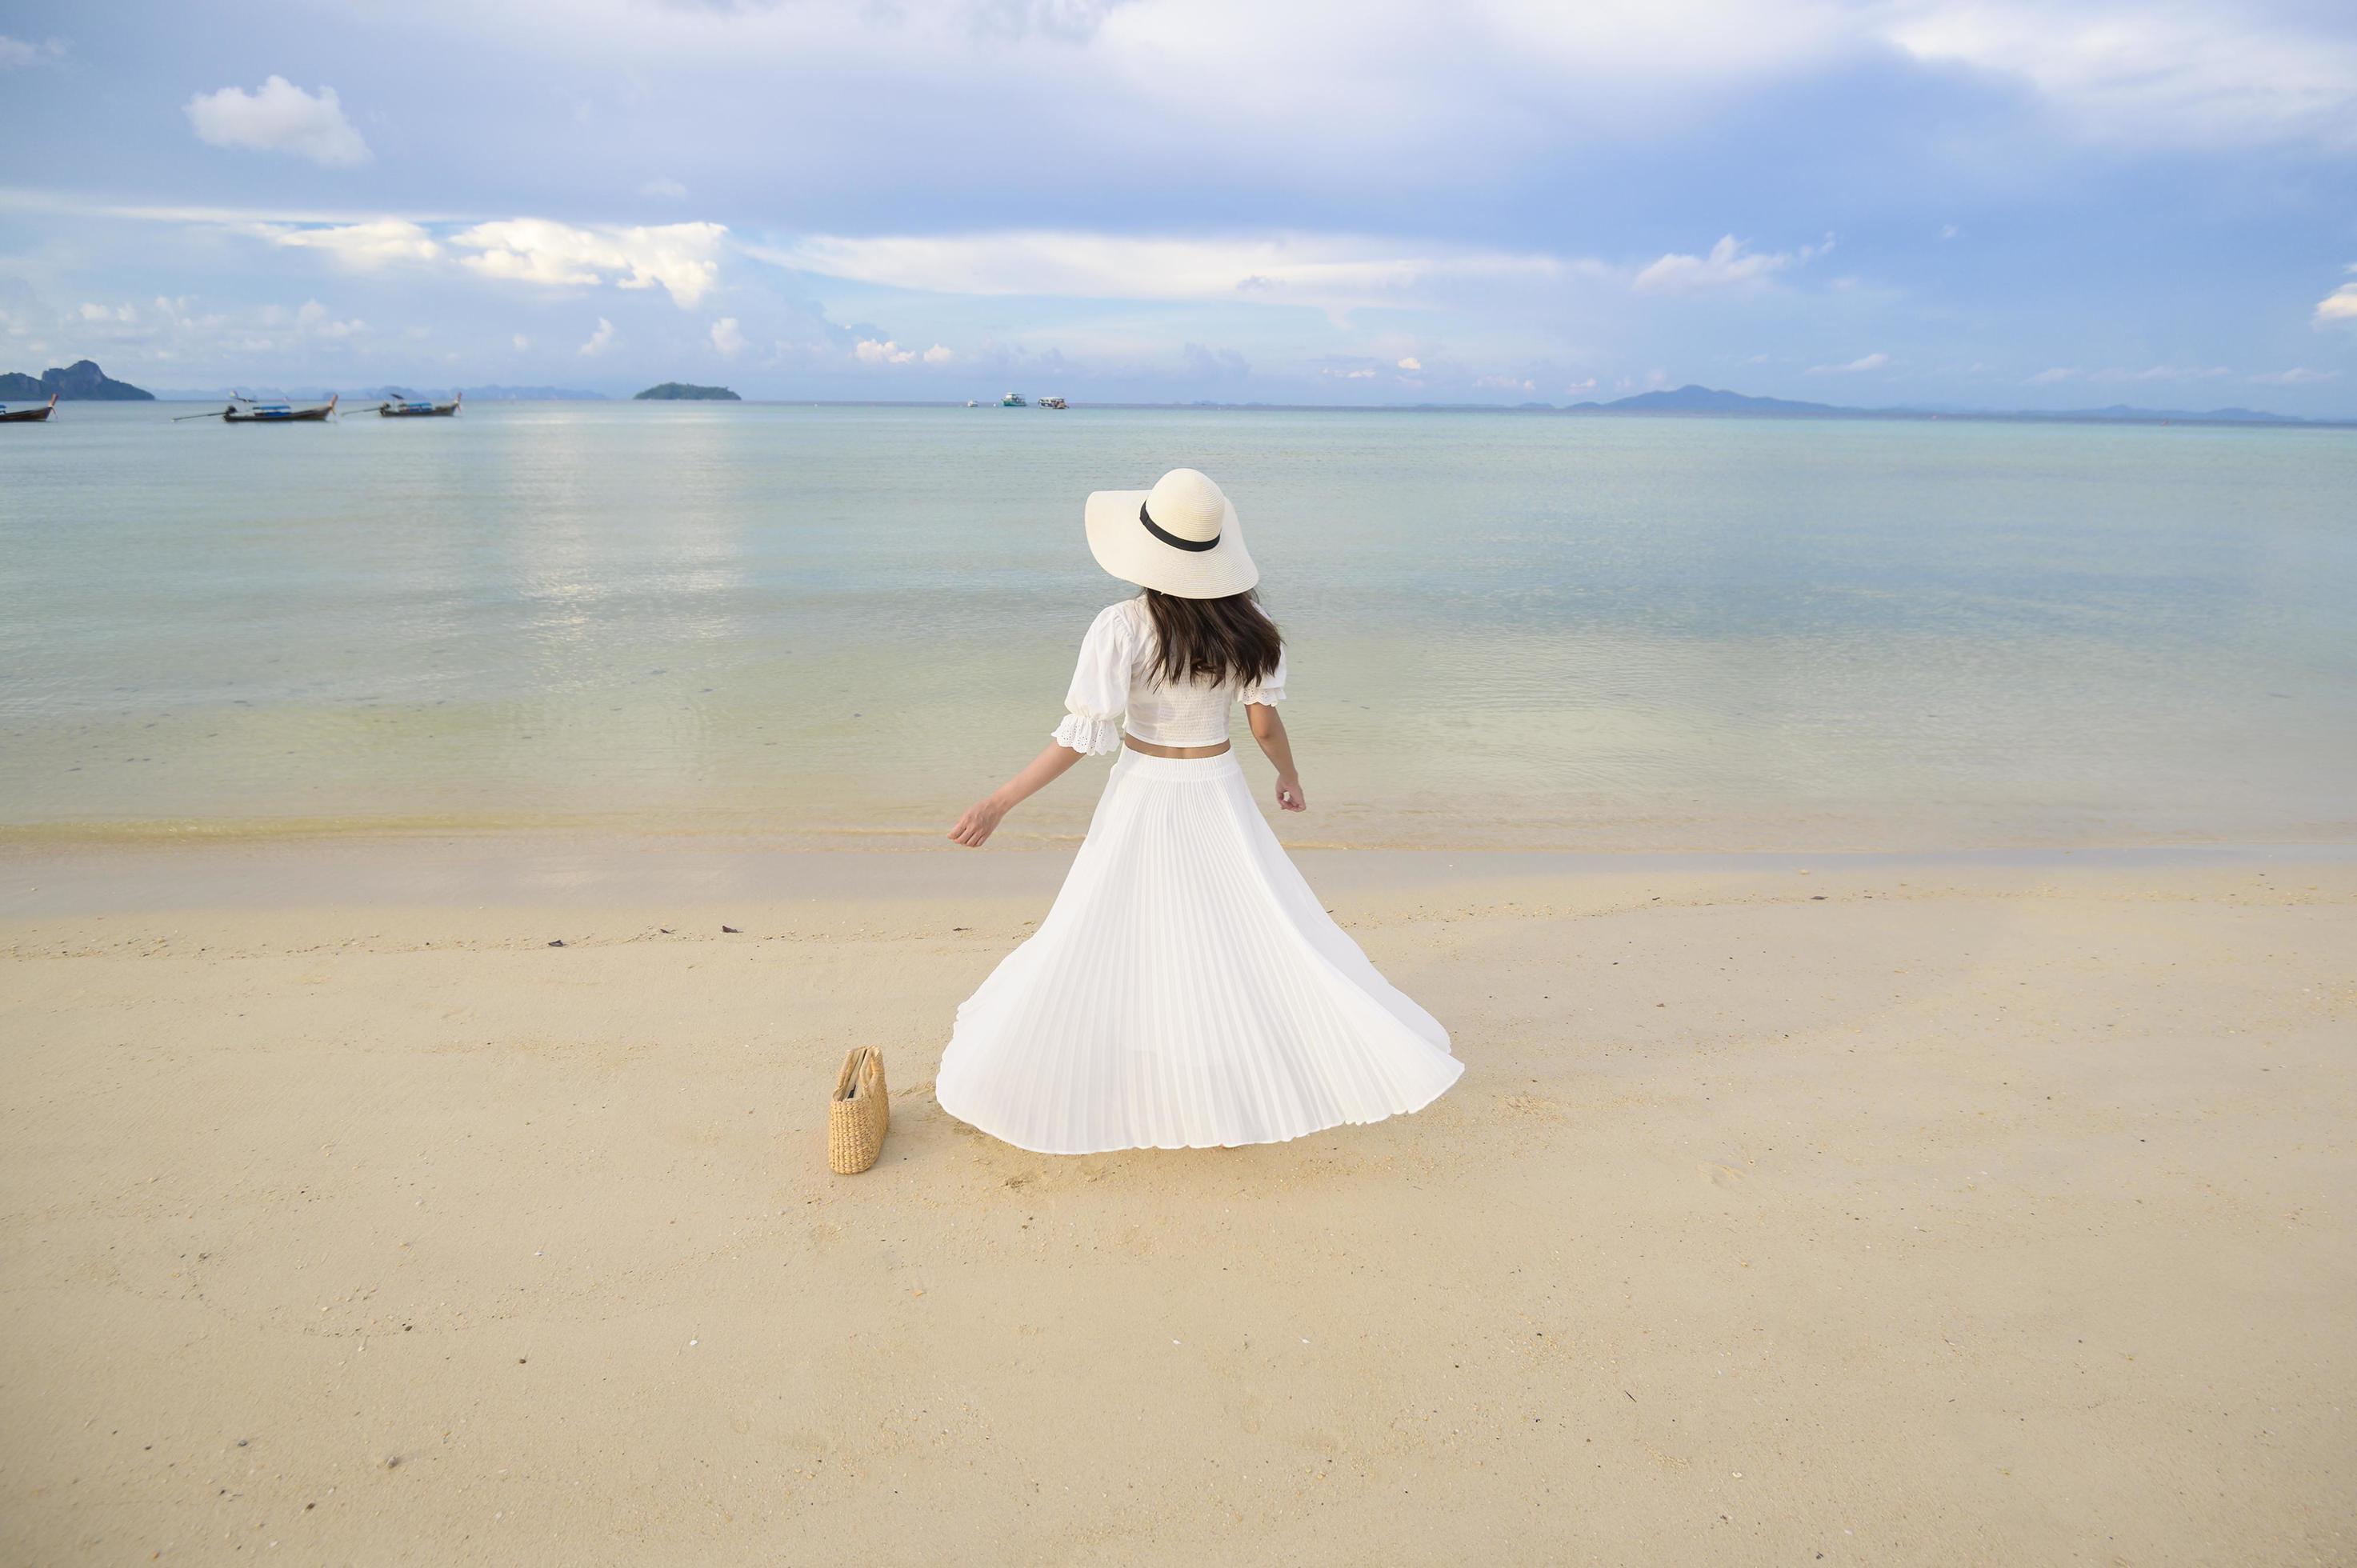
x: 1179, y: 538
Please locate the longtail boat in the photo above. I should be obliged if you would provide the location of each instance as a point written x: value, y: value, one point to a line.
x: 29, y: 415
x: 278, y: 413
x: 422, y: 408
x: 246, y: 411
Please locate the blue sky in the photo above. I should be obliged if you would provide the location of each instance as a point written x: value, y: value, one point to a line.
x: 2001, y: 203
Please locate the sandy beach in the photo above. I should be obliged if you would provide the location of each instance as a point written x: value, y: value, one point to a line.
x: 1846, y: 1210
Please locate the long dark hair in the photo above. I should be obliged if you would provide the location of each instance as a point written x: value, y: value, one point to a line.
x: 1213, y: 639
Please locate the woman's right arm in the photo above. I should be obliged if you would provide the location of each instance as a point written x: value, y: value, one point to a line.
x: 982, y: 818
x: 1092, y: 708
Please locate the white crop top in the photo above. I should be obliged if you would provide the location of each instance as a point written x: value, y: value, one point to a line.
x: 1116, y: 678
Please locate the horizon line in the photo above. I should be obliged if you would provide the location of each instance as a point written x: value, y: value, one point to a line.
x: 2129, y: 414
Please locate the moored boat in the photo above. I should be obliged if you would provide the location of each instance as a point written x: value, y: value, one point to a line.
x: 1051, y: 403
x: 420, y: 408
x: 33, y: 415
x: 247, y: 410
x: 1013, y: 399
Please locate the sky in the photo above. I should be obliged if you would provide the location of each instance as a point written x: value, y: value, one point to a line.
x: 1974, y: 203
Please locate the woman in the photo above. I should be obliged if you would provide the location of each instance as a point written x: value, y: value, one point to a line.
x: 1188, y: 990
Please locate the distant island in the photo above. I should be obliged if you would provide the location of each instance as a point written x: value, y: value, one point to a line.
x: 679, y: 392
x: 1710, y: 400
x: 1700, y: 401
x: 82, y: 382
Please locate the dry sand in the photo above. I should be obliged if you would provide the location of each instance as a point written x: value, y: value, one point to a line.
x: 1896, y: 1213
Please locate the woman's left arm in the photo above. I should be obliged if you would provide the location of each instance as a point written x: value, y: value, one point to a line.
x: 1269, y: 730
x: 982, y: 818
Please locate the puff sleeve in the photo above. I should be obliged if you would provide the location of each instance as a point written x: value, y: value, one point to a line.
x: 1100, y: 689
x: 1270, y: 692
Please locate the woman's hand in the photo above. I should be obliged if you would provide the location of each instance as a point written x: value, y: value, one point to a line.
x: 1288, y: 793
x: 981, y: 819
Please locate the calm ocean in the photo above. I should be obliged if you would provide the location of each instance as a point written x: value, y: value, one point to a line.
x: 840, y: 624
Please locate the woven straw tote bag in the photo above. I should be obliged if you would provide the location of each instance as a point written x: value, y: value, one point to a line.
x: 858, y: 1114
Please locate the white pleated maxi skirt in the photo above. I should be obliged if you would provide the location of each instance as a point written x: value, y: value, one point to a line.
x: 1186, y: 991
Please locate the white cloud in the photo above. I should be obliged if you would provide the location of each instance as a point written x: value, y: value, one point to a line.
x: 1344, y: 88
x: 664, y: 191
x: 168, y: 332
x: 2116, y: 374
x: 2298, y: 376
x: 1324, y: 270
x: 681, y: 258
x: 316, y: 320
x: 1873, y: 362
x: 2340, y: 305
x: 278, y: 117
x: 2160, y: 373
x: 17, y: 51
x: 1337, y: 84
x: 1729, y: 265
x: 727, y: 338
x: 1411, y: 364
x: 939, y: 354
x: 871, y: 353
x: 2183, y: 74
x: 1949, y: 230
x: 522, y: 342
x: 1363, y: 373
x: 599, y: 341
x: 365, y: 246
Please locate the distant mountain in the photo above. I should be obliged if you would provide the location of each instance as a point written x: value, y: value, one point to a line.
x: 82, y: 382
x: 676, y: 392
x: 533, y: 394
x: 1709, y: 400
x: 2207, y: 416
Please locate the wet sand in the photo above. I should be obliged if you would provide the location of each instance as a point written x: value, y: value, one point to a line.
x: 1977, y: 1210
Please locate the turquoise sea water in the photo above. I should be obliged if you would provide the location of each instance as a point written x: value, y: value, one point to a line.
x: 1507, y: 629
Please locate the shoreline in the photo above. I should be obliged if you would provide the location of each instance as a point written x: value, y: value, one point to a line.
x: 1349, y: 828
x: 495, y: 867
